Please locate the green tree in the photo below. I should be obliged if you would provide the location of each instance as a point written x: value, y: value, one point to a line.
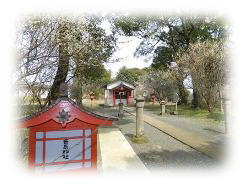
x: 161, y: 83
x: 131, y: 75
x: 206, y: 62
x: 164, y: 36
x: 91, y: 79
x: 53, y: 50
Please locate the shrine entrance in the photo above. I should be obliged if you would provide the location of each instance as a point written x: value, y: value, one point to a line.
x: 121, y: 96
x: 63, y: 137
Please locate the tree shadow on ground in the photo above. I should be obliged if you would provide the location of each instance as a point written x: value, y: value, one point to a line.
x: 216, y: 149
x: 165, y: 159
x: 158, y: 159
x: 162, y: 160
x: 208, y: 155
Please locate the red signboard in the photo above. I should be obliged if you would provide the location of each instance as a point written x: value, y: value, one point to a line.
x: 63, y: 137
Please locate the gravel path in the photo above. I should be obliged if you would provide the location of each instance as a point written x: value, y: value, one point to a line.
x: 162, y: 152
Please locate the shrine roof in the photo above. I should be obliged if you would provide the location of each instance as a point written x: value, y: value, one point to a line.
x: 72, y: 107
x: 117, y: 83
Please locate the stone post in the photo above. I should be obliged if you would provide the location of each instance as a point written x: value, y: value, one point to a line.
x: 163, y: 108
x: 139, y: 116
x: 120, y: 110
x: 139, y: 138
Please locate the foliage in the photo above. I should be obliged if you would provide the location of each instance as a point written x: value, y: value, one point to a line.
x: 26, y: 110
x: 95, y: 74
x: 97, y: 93
x: 91, y: 78
x: 162, y: 84
x: 164, y: 36
x: 207, y: 64
x: 53, y: 50
x: 183, y: 94
x: 131, y: 75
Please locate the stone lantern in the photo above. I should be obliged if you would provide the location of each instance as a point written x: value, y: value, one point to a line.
x: 139, y: 137
x: 163, y: 107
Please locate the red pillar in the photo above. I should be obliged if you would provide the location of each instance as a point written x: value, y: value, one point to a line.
x: 113, y: 96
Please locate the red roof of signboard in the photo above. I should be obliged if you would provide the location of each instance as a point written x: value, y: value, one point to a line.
x: 73, y: 110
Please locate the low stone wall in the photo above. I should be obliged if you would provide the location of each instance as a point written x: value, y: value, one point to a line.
x: 115, y: 153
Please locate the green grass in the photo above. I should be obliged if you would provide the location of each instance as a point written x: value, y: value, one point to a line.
x: 200, y: 113
x: 187, y: 111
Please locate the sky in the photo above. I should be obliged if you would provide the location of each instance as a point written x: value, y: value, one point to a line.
x: 127, y: 47
x: 125, y: 53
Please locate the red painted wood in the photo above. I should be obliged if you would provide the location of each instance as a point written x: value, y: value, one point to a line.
x: 73, y: 111
x: 126, y: 90
x: 53, y: 126
x: 48, y: 121
x: 114, y: 98
x: 65, y: 162
x: 128, y: 96
x: 31, y: 151
x: 94, y: 149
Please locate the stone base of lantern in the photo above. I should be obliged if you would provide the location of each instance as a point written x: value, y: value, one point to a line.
x: 140, y: 139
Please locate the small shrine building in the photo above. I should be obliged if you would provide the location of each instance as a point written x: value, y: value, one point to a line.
x: 119, y: 91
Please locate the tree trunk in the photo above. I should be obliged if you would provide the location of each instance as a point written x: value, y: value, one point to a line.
x: 78, y: 97
x: 195, y: 99
x: 63, y: 65
x: 209, y: 108
x: 209, y: 103
x: 183, y: 96
x: 195, y: 102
